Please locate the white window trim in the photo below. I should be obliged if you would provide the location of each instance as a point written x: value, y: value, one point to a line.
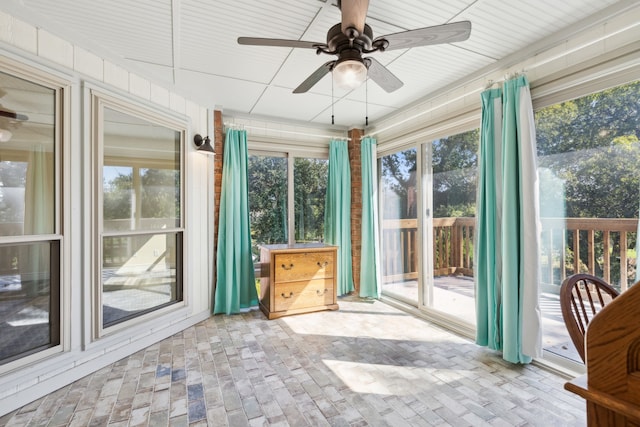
x: 61, y: 84
x: 97, y: 98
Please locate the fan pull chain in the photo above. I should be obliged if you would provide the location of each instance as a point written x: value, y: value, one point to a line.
x: 332, y: 122
x: 366, y: 102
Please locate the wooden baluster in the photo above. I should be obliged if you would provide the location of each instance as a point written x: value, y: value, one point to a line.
x: 576, y: 251
x: 606, y: 264
x: 591, y: 264
x: 623, y: 261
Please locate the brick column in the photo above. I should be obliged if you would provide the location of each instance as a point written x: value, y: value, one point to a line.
x: 355, y: 163
x: 218, y: 146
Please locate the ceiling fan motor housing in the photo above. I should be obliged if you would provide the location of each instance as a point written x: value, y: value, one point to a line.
x: 338, y: 41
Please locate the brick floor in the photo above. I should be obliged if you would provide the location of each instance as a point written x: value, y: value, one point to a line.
x: 367, y: 364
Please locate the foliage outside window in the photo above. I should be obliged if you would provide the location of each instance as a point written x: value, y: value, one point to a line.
x: 269, y: 195
x: 141, y: 230
x: 588, y: 157
x: 454, y: 163
x: 29, y: 219
x: 310, y: 190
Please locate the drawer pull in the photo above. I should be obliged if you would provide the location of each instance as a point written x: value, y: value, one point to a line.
x: 322, y: 264
x: 289, y: 267
x: 287, y: 296
x: 320, y: 293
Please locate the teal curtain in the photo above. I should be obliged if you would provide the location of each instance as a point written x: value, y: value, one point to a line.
x: 508, y: 225
x: 370, y: 260
x: 236, y: 283
x: 337, y: 212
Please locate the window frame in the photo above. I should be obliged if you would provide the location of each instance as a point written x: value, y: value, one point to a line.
x: 290, y: 155
x: 99, y: 100
x: 60, y: 295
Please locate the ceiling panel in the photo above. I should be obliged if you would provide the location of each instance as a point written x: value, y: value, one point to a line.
x: 140, y: 30
x: 413, y: 14
x: 302, y: 108
x: 501, y: 28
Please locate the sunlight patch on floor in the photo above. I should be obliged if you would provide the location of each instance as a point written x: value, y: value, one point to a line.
x: 390, y: 379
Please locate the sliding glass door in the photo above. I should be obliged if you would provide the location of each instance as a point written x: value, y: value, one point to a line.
x: 399, y: 254
x: 450, y: 199
x: 428, y: 220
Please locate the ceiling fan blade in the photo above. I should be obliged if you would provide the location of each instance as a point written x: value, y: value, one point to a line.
x: 447, y: 33
x: 256, y: 41
x: 382, y: 76
x: 314, y: 77
x: 13, y: 115
x: 354, y: 14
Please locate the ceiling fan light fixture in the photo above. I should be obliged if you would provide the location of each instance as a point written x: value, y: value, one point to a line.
x: 5, y: 135
x: 349, y: 74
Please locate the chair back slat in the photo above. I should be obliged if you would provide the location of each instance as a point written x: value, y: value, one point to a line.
x: 576, y: 293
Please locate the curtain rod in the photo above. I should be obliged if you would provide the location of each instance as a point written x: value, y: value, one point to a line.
x: 291, y: 132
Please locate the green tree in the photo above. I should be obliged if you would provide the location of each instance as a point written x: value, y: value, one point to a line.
x: 455, y: 174
x: 116, y: 198
x: 267, y: 199
x: 591, y: 145
x: 310, y: 189
x: 399, y: 176
x: 160, y: 193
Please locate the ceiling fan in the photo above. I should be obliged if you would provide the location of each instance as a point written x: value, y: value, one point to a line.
x: 352, y: 38
x: 9, y: 120
x: 12, y: 115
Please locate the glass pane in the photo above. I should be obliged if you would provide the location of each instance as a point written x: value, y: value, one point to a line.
x: 141, y: 174
x: 267, y: 200
x: 399, y: 251
x: 119, y: 200
x: 588, y: 157
x: 27, y: 168
x: 27, y: 290
x: 138, y: 275
x: 454, y: 169
x: 310, y: 189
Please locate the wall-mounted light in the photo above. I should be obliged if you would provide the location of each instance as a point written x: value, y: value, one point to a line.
x: 203, y: 144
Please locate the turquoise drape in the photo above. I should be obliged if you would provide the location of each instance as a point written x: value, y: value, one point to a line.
x: 369, y: 261
x: 236, y: 283
x: 337, y: 213
x: 508, y: 225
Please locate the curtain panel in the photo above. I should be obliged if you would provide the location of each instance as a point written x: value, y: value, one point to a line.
x: 370, y: 256
x: 235, y: 280
x: 337, y: 213
x: 508, y: 225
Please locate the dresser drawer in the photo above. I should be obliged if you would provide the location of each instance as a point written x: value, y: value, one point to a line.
x: 289, y: 267
x: 297, y: 295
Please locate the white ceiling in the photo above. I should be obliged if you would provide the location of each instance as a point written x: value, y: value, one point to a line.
x: 191, y: 44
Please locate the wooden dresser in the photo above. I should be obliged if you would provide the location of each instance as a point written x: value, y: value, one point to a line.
x: 298, y: 278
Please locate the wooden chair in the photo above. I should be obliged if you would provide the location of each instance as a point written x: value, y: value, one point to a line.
x: 582, y: 296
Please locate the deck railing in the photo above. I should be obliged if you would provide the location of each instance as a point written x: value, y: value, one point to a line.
x: 599, y: 246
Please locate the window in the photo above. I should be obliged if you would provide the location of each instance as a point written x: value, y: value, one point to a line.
x: 279, y: 183
x: 30, y: 214
x: 140, y: 205
x: 268, y: 212
x: 588, y: 157
x: 310, y: 190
